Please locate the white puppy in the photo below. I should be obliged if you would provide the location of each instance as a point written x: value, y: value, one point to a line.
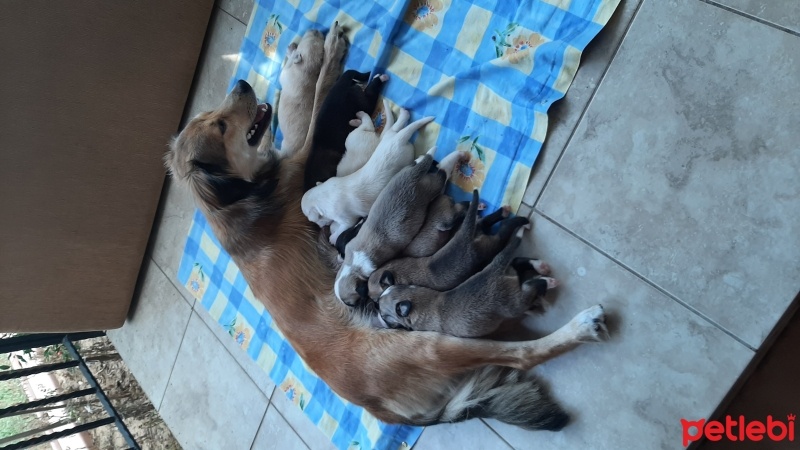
x: 341, y: 201
x: 361, y: 142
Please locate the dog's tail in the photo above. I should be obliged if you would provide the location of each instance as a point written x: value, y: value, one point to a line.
x: 508, y: 395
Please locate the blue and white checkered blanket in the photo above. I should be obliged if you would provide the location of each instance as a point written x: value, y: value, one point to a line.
x: 488, y: 70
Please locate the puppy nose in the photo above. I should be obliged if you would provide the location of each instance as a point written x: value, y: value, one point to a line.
x: 403, y: 308
x: 243, y: 87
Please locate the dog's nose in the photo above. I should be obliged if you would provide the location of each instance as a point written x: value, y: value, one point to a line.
x: 243, y: 87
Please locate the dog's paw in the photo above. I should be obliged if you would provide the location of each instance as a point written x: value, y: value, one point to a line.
x: 336, y: 43
x: 383, y: 77
x: 506, y: 211
x: 540, y: 267
x: 355, y: 123
x: 590, y: 325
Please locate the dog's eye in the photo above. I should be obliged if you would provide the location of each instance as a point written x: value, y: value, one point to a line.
x: 222, y: 126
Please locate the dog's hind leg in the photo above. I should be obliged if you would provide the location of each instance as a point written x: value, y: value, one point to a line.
x: 487, y: 222
x: 374, y: 88
x: 527, y: 268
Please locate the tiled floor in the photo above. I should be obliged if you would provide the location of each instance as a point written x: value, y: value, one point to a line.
x: 666, y: 191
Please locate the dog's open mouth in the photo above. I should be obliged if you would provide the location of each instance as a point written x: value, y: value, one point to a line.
x: 260, y: 124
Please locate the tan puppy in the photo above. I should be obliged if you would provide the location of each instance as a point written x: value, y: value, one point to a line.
x: 473, y: 309
x: 298, y: 80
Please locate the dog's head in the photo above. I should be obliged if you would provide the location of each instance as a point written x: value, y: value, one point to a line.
x: 380, y: 280
x: 222, y: 153
x: 402, y: 306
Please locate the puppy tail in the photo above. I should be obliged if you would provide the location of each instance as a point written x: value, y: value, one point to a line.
x: 405, y: 134
x: 508, y: 395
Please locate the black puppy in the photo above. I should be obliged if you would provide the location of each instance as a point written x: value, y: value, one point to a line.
x: 347, y: 97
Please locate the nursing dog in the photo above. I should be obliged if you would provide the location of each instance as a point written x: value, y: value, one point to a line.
x: 416, y: 378
x: 346, y: 98
x: 474, y: 308
x: 466, y: 253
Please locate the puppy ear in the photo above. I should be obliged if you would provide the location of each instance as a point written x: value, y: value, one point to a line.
x: 403, y: 309
x: 362, y: 289
x: 387, y: 279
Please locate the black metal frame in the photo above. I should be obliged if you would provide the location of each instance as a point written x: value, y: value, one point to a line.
x: 32, y: 341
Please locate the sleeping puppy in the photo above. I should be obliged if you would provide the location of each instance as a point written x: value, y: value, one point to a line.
x: 473, y: 309
x: 361, y: 142
x: 443, y: 216
x: 347, y: 97
x: 395, y: 218
x: 441, y: 220
x: 341, y: 201
x: 463, y: 255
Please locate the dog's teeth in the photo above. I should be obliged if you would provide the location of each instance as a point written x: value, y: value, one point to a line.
x: 249, y: 135
x: 255, y: 127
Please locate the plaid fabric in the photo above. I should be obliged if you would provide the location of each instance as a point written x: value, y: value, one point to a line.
x: 488, y: 70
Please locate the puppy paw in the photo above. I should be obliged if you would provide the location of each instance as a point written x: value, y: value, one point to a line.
x: 355, y: 123
x: 481, y: 206
x: 383, y: 77
x: 552, y: 283
x: 336, y: 43
x: 506, y: 211
x: 539, y: 266
x: 590, y: 325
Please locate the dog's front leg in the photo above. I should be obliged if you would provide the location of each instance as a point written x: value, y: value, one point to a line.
x: 336, y: 45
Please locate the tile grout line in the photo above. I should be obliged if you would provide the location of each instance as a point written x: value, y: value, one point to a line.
x: 232, y: 16
x: 260, y: 424
x: 495, y: 432
x: 647, y: 281
x: 588, y: 103
x: 751, y: 17
x: 183, y: 336
x: 172, y: 282
x: 236, y: 361
x: 275, y: 391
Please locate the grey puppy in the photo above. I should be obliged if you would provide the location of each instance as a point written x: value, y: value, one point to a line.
x: 441, y: 221
x: 475, y: 308
x: 463, y: 255
x: 394, y: 219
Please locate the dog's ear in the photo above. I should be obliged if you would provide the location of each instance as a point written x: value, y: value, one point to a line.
x: 362, y: 289
x: 403, y: 309
x: 219, y: 188
x: 387, y: 279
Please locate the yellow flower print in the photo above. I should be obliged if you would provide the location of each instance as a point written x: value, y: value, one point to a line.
x: 379, y: 119
x: 197, y: 282
x: 423, y: 14
x: 523, y: 46
x: 272, y: 33
x: 470, y: 174
x: 241, y: 334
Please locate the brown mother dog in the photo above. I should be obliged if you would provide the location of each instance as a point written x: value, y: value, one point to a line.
x: 252, y: 200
